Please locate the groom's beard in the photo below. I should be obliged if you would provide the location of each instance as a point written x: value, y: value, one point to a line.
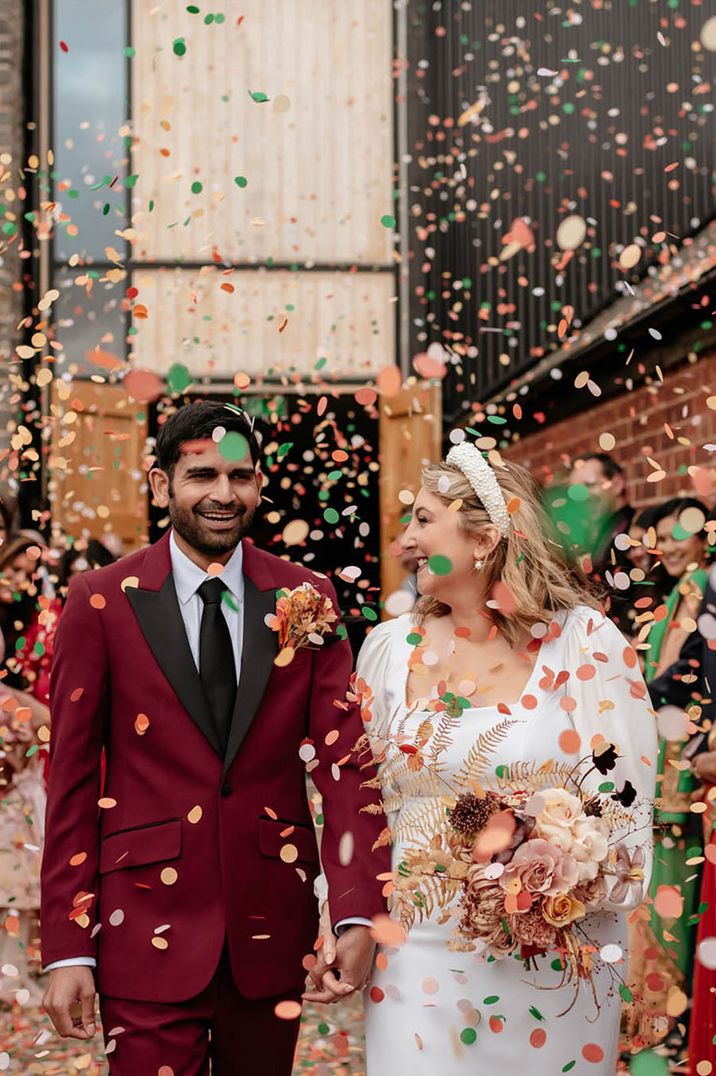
x: 196, y: 532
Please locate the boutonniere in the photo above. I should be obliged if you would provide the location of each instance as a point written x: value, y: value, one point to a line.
x: 303, y: 616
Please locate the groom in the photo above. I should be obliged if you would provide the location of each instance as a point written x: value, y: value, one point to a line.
x: 184, y: 881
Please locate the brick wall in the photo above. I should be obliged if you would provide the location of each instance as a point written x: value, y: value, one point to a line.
x: 638, y: 421
x: 11, y: 149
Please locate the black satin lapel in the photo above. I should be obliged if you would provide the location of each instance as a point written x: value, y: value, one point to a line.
x: 258, y: 651
x: 162, y: 626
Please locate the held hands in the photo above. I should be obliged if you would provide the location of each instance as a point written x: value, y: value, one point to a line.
x: 69, y: 1001
x: 351, y: 955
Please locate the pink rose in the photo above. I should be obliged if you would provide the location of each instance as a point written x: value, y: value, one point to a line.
x: 541, y: 867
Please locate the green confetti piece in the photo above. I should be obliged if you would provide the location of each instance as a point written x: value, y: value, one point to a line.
x: 331, y: 516
x: 105, y: 209
x: 578, y: 492
x: 491, y: 999
x: 19, y: 644
x: 129, y: 51
x: 536, y: 1013
x: 321, y: 363
x: 39, y: 648
x: 342, y: 631
x: 439, y: 565
x: 31, y: 750
x: 178, y: 378
x: 468, y: 1035
x: 228, y: 598
x: 179, y: 46
x: 323, y: 1029
x: 648, y: 1063
x: 234, y: 446
x: 192, y: 9
x: 257, y: 96
x: 208, y: 19
x: 557, y: 965
x: 241, y: 181
x: 219, y: 18
x: 387, y: 220
x: 625, y: 993
x: 130, y: 181
x: 606, y: 786
x: 496, y: 420
x: 369, y: 613
x: 502, y: 770
x: 151, y: 205
x: 414, y: 639
x: 569, y: 1066
x: 197, y: 187
x: 283, y: 449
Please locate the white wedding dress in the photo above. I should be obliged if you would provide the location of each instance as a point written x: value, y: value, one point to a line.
x: 431, y: 1011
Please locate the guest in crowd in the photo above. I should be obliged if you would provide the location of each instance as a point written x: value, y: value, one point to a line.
x: 28, y: 614
x: 83, y: 556
x: 606, y: 482
x: 661, y: 944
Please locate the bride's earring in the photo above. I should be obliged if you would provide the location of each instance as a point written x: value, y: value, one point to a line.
x: 479, y: 565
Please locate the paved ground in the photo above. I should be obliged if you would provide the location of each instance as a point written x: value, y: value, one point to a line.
x: 331, y: 1043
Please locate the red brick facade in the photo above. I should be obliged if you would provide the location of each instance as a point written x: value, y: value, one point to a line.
x: 638, y: 421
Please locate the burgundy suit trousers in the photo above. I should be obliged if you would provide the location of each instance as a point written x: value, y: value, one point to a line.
x: 237, y: 1035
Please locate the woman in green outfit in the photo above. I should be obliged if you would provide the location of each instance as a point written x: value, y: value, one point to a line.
x: 661, y: 945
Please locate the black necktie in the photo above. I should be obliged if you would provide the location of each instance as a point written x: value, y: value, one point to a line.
x: 217, y: 669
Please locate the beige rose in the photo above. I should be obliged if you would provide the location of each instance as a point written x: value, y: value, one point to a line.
x: 556, y: 812
x: 562, y: 910
x: 589, y: 847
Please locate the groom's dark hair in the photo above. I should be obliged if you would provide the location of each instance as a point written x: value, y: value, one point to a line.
x: 196, y: 422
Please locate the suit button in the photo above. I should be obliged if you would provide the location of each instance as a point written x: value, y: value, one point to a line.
x: 226, y: 790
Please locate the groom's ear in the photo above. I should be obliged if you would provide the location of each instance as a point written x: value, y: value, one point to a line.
x: 159, y: 482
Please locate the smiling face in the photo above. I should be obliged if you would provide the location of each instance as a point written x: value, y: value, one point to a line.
x: 211, y: 499
x: 678, y: 554
x: 435, y: 531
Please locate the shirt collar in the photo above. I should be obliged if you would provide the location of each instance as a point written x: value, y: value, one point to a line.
x: 188, y: 576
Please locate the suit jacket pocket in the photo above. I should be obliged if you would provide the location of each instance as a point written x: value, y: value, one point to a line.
x: 141, y: 846
x: 303, y: 838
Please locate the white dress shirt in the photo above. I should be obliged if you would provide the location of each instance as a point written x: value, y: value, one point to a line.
x: 188, y: 577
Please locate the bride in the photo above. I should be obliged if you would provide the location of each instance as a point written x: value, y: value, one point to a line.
x: 507, y: 643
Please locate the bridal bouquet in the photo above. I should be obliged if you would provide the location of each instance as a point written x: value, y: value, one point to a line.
x: 527, y: 863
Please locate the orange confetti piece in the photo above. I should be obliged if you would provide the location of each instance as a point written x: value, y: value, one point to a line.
x: 284, y: 657
x: 98, y: 601
x: 390, y: 380
x: 538, y: 1038
x: 78, y: 859
x: 288, y: 1010
x: 141, y: 724
x: 387, y: 931
x: 592, y: 1052
x: 570, y: 742
x: 668, y: 902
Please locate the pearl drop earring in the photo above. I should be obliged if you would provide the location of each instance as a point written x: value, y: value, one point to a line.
x: 479, y: 565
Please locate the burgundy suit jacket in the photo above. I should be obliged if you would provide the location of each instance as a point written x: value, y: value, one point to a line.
x: 186, y: 848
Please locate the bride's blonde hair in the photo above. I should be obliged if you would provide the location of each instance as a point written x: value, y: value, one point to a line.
x: 532, y: 567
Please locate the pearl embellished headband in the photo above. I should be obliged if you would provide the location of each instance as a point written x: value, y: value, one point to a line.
x: 468, y: 459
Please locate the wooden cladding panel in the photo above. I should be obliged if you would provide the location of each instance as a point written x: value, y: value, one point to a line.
x: 346, y: 318
x: 317, y: 155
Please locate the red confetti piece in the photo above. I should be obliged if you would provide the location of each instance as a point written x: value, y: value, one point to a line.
x: 64, y: 46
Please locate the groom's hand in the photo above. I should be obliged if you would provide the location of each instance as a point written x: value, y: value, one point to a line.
x: 353, y: 960
x: 69, y: 1001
